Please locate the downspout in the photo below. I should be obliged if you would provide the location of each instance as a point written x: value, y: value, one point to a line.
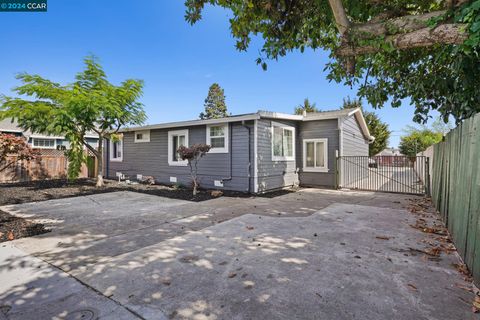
x: 249, y: 155
x: 230, y: 133
x: 231, y: 154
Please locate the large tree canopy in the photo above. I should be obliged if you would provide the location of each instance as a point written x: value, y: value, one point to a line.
x: 424, y: 50
x: 90, y: 104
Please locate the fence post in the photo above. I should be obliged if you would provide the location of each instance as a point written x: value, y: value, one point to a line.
x: 337, y: 161
x: 427, y: 176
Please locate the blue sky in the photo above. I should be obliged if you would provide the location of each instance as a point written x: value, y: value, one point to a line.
x: 150, y: 40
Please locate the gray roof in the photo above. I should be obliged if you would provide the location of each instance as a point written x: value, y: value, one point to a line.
x: 323, y: 115
x: 7, y: 125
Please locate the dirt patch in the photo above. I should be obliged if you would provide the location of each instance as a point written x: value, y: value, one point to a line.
x: 57, y: 189
x: 12, y: 227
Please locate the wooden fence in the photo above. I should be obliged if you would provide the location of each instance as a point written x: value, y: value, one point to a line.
x: 47, y: 166
x: 456, y: 189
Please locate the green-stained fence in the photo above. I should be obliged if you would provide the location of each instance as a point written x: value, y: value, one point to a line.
x: 456, y: 189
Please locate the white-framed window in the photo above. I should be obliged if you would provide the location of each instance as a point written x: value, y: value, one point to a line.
x: 44, y: 143
x: 283, y: 142
x: 315, y: 155
x: 176, y: 139
x: 217, y: 138
x: 142, y: 136
x: 116, y: 150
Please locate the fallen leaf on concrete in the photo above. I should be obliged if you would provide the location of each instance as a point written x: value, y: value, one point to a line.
x: 462, y: 268
x: 461, y: 286
x: 382, y: 238
x: 476, y: 304
x: 10, y: 236
x: 232, y: 275
x: 411, y: 286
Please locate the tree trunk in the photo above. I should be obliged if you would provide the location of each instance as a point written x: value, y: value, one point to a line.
x: 99, y: 160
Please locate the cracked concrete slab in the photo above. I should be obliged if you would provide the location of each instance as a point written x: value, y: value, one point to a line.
x: 32, y: 289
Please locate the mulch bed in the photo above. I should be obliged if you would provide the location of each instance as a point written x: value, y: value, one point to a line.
x: 12, y: 227
x: 15, y: 193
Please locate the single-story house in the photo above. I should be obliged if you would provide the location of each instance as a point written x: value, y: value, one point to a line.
x: 254, y: 152
x: 40, y: 141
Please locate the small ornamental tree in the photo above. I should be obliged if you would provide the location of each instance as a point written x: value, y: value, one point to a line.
x: 91, y: 104
x: 193, y: 154
x: 11, y: 145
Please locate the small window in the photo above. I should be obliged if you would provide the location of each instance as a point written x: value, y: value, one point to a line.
x: 176, y: 139
x: 315, y: 155
x: 44, y: 143
x: 116, y: 150
x: 142, y: 136
x: 283, y: 142
x: 217, y: 138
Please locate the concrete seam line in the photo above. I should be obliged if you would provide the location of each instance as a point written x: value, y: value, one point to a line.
x: 93, y: 289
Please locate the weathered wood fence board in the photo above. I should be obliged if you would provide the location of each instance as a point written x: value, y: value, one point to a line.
x: 45, y: 167
x: 456, y: 189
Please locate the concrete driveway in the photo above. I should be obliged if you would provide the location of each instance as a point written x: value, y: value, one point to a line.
x: 314, y: 254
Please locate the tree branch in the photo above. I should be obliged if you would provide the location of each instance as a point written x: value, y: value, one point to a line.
x: 398, y: 25
x: 426, y: 37
x: 341, y: 19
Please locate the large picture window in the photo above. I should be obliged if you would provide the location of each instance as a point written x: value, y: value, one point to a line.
x: 283, y: 142
x: 315, y: 155
x: 176, y: 139
x: 217, y: 138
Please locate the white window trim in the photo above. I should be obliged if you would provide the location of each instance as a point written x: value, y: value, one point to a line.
x: 218, y: 150
x: 325, y: 150
x: 146, y: 136
x: 170, y: 146
x: 112, y: 158
x: 283, y: 126
x: 37, y: 147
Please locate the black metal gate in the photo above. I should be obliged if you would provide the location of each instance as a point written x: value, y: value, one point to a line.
x: 399, y: 174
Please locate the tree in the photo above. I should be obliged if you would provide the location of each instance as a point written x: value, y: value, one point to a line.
x: 90, y: 104
x: 426, y: 51
x: 349, y: 103
x: 193, y: 154
x: 306, y: 107
x: 377, y: 127
x: 418, y: 140
x: 215, y: 106
x: 11, y: 145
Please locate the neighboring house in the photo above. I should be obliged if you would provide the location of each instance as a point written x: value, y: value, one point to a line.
x: 42, y: 141
x: 388, y: 157
x: 252, y: 152
x: 390, y: 152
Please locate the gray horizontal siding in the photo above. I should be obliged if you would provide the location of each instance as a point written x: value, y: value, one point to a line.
x: 151, y: 159
x: 273, y: 174
x: 321, y: 129
x: 354, y: 142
